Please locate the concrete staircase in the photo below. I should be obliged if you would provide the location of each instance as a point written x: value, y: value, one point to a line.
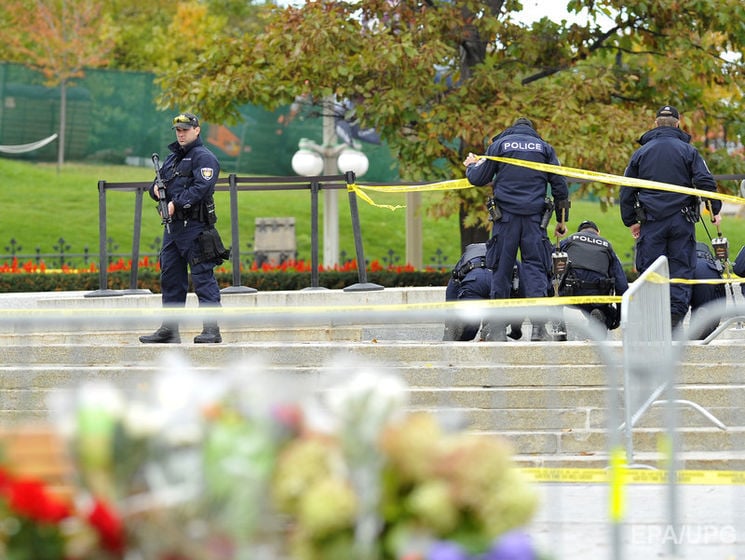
x: 549, y: 399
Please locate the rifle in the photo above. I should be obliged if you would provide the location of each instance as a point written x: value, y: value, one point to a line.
x: 162, y: 203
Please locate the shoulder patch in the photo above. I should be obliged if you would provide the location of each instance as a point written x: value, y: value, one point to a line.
x: 207, y: 173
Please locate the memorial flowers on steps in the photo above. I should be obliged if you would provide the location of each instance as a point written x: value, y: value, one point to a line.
x: 251, y: 463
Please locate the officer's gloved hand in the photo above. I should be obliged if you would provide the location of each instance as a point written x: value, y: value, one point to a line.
x: 613, y: 316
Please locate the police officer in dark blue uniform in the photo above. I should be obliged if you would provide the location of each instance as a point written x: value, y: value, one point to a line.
x: 662, y: 222
x: 189, y: 173
x: 518, y: 204
x: 471, y: 279
x: 593, y: 269
x: 707, y: 268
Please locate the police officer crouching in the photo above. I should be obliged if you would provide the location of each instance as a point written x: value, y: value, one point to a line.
x: 470, y: 280
x: 707, y: 268
x: 593, y: 269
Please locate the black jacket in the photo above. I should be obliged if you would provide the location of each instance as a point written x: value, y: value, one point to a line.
x: 666, y: 156
x: 517, y: 189
x: 190, y: 174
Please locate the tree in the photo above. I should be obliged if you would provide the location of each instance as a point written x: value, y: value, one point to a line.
x: 437, y: 78
x: 58, y: 38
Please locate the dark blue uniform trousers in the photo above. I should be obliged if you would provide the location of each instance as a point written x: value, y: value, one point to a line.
x: 674, y: 237
x: 509, y: 234
x: 174, y: 260
x: 475, y: 285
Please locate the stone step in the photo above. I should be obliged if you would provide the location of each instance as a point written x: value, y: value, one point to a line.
x: 549, y: 399
x: 318, y: 352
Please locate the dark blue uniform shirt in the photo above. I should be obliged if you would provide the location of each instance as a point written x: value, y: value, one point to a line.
x: 517, y: 189
x: 666, y: 156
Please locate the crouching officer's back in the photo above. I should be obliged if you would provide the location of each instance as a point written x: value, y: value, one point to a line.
x: 471, y: 279
x: 707, y: 268
x: 594, y: 269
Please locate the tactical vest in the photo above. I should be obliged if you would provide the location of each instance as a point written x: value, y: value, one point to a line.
x: 703, y: 252
x: 473, y: 257
x: 589, y: 251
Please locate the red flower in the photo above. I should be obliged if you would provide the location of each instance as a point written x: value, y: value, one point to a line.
x: 30, y: 499
x: 109, y: 527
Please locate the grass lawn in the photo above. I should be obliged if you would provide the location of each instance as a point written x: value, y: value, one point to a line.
x: 45, y: 210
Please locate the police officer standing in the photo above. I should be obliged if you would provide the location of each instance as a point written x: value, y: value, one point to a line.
x: 518, y: 204
x: 189, y: 173
x: 593, y: 269
x: 662, y: 222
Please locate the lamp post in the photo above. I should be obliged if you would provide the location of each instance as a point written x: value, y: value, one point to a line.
x: 329, y: 158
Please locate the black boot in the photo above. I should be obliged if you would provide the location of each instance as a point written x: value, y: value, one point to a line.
x: 516, y: 330
x: 538, y: 332
x: 453, y: 331
x: 676, y: 322
x: 493, y: 332
x: 210, y: 334
x: 166, y: 334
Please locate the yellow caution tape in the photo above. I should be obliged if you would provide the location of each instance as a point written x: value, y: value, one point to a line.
x: 705, y: 281
x: 616, y: 179
x: 438, y: 186
x: 631, y: 476
x: 596, y: 176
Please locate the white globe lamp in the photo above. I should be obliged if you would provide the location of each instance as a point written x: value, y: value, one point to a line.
x: 352, y: 160
x: 307, y: 163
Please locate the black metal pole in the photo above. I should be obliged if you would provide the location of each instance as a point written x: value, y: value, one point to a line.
x: 315, y: 186
x: 103, y: 257
x: 136, y: 236
x: 363, y: 285
x: 235, y: 250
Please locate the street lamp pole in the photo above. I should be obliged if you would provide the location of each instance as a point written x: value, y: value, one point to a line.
x: 330, y: 196
x: 328, y: 159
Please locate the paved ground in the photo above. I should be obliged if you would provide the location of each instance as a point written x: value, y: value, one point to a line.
x: 573, y: 523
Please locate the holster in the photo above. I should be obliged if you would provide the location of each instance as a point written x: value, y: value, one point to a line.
x: 692, y: 212
x: 495, y: 212
x: 208, y: 247
x: 641, y: 214
x: 548, y: 209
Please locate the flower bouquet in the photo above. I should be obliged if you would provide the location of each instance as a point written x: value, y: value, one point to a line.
x: 184, y: 460
x: 34, y: 524
x: 250, y: 464
x: 382, y: 484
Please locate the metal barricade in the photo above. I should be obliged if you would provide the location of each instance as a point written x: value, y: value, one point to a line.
x: 647, y: 341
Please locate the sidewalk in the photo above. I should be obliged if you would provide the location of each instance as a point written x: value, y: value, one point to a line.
x: 573, y: 522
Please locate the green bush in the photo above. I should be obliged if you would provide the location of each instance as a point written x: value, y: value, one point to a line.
x: 262, y: 281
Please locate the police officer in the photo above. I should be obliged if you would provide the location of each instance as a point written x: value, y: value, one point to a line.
x: 517, y: 207
x: 662, y: 222
x: 471, y: 279
x: 189, y: 173
x: 707, y: 268
x: 593, y: 269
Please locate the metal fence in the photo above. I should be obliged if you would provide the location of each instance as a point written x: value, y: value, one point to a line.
x: 234, y: 184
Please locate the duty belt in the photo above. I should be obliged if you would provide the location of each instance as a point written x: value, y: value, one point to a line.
x: 193, y: 213
x: 460, y: 273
